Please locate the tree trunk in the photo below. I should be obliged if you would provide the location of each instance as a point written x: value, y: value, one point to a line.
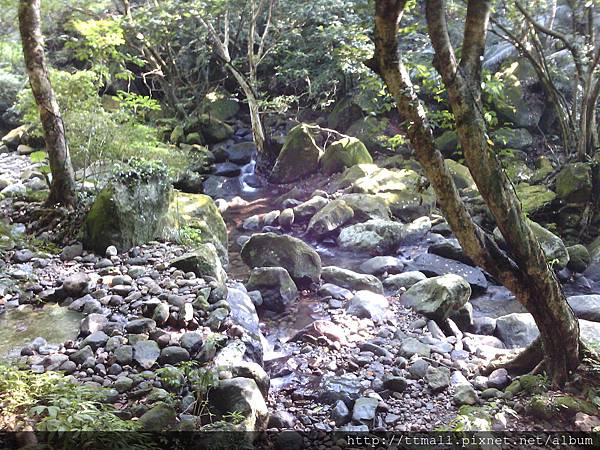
x: 524, y: 270
x: 62, y: 186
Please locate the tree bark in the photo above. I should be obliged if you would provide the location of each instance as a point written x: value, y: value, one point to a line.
x: 524, y: 269
x: 62, y: 186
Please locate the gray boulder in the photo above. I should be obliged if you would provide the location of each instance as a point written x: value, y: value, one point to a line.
x: 351, y: 280
x: 382, y: 264
x: 330, y: 218
x: 434, y: 265
x: 241, y: 395
x: 369, y: 305
x: 438, y: 298
x: 271, y: 250
x: 204, y: 261
x: 298, y: 158
x: 376, y: 237
x: 145, y: 353
x: 276, y: 286
x: 516, y: 330
x: 403, y: 280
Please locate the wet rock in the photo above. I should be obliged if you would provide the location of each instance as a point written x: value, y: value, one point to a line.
x: 336, y: 292
x: 367, y: 304
x: 437, y: 378
x: 574, y: 183
x: 270, y: 250
x: 395, y: 383
x: 351, y: 280
x: 192, y: 342
x: 376, y: 237
x: 364, y: 409
x: 438, y: 297
x: 498, y: 379
x: 276, y: 286
x: 281, y: 420
x: 382, y: 264
x: 77, y: 285
x: 330, y: 218
x: 403, y: 280
x: 173, y: 355
x: 451, y: 249
x: 204, y: 261
x: 518, y: 138
x: 243, y: 396
x: 434, y: 265
x: 92, y: 323
x: 145, y: 353
x: 516, y: 330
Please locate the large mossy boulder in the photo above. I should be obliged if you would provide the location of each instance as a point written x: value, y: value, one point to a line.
x: 375, y: 237
x: 574, y: 183
x: 220, y: 105
x: 447, y: 142
x: 461, y: 175
x: 534, y: 197
x: 298, y: 158
x: 367, y: 207
x: 276, y: 286
x: 271, y: 250
x: 241, y: 396
x: 517, y: 138
x: 194, y: 219
x: 210, y: 127
x: 127, y: 212
x: 512, y: 106
x: 346, y: 152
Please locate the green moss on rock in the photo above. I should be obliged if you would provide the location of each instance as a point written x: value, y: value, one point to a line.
x: 344, y: 153
x: 299, y: 156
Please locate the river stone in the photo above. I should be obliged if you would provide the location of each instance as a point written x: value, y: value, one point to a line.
x: 298, y: 158
x: 351, y: 280
x: 286, y: 218
x: 579, y: 258
x: 77, y: 284
x: 376, y: 237
x: 139, y: 326
x: 191, y: 341
x: 367, y: 207
x: 275, y: 285
x: 434, y: 265
x: 553, y: 246
x: 516, y: 330
x: 335, y: 292
x: 437, y: 378
x: 203, y: 261
x: 330, y: 218
x: 241, y: 395
x: 344, y: 153
x: 145, y: 353
x: 340, y: 413
x: 253, y: 371
x: 464, y: 394
x: 271, y: 250
x: 403, y: 280
x: 126, y: 214
x: 367, y: 304
x: 92, y: 323
x: 309, y: 208
x: 382, y: 264
x: 334, y: 388
x: 124, y: 355
x: 574, y: 183
x: 161, y: 314
x: 95, y: 340
x: 81, y: 356
x: 438, y: 297
x: 173, y: 355
x: 365, y: 409
x: 160, y: 417
x: 586, y: 306
x: 412, y: 346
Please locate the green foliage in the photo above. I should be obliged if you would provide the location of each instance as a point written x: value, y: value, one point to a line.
x: 99, y: 138
x: 56, y: 403
x: 137, y: 104
x: 140, y: 169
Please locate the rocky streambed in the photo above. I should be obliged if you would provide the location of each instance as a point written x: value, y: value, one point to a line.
x: 343, y: 303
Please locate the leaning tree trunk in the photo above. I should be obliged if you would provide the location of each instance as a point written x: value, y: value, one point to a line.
x: 62, y: 186
x: 524, y: 270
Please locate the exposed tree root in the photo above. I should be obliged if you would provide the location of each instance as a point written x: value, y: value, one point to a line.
x: 524, y: 362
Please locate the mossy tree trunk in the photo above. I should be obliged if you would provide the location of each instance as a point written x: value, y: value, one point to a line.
x: 523, y: 269
x: 62, y: 186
